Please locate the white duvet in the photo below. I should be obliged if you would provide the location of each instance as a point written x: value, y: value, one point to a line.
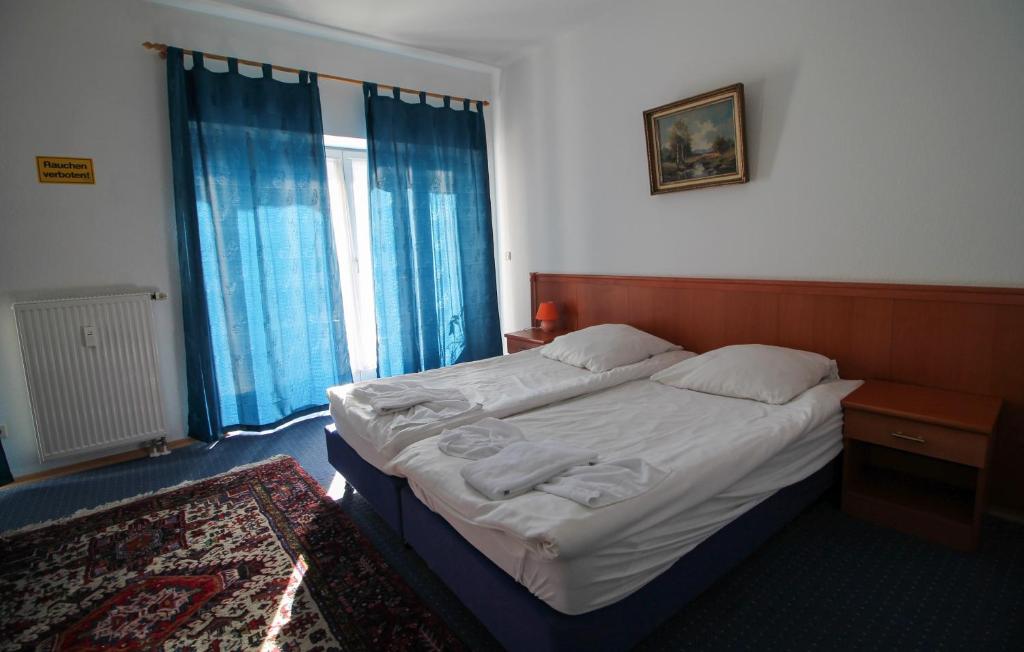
x: 502, y: 386
x: 705, y: 444
x: 624, y: 565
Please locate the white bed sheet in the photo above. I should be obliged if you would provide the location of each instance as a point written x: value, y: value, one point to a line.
x: 724, y: 456
x: 503, y: 385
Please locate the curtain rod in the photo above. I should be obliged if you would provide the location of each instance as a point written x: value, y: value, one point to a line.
x: 162, y: 49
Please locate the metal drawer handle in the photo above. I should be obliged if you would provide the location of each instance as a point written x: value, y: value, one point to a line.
x: 900, y: 435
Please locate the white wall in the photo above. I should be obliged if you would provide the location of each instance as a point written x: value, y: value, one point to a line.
x: 76, y: 82
x: 885, y: 142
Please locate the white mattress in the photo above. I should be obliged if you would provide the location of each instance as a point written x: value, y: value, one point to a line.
x: 504, y: 385
x: 724, y: 456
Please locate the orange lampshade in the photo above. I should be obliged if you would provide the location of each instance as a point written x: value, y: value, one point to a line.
x: 547, y: 311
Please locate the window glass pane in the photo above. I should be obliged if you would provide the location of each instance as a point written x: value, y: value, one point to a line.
x: 367, y: 309
x: 347, y: 181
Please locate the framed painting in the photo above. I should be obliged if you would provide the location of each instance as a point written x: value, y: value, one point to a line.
x: 697, y: 142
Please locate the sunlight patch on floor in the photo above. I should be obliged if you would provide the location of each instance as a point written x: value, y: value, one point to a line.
x: 283, y: 614
x: 270, y: 431
x: 337, y: 488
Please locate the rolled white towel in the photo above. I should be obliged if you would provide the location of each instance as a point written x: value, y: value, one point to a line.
x: 396, y: 396
x: 604, y: 483
x: 521, y: 466
x: 478, y: 440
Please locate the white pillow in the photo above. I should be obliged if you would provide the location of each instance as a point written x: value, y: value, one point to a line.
x: 769, y: 374
x: 605, y: 347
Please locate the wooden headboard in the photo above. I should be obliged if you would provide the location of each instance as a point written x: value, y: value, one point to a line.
x: 968, y: 339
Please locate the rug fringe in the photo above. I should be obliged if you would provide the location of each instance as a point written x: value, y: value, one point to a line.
x: 86, y: 511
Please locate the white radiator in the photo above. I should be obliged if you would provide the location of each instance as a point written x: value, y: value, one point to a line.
x: 93, y: 372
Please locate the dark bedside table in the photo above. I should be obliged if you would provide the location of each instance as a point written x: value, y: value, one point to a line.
x: 916, y: 459
x: 530, y: 338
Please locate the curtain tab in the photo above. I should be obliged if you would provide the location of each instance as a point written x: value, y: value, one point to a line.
x: 197, y: 60
x: 479, y: 107
x: 312, y: 79
x: 423, y: 97
x: 465, y: 104
x: 268, y: 71
x: 175, y: 56
x: 447, y: 101
x: 396, y: 92
x: 303, y: 77
x: 233, y: 65
x: 369, y: 89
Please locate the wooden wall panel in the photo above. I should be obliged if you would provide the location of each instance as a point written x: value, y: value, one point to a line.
x: 713, y: 318
x: 854, y: 331
x: 1008, y: 358
x: 944, y: 344
x: 699, y: 320
x: 659, y: 311
x: 602, y: 304
x: 962, y: 338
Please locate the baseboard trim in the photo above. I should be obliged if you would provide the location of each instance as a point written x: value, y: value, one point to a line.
x: 88, y: 465
x: 1007, y: 514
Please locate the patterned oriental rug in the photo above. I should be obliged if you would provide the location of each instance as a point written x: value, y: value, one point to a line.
x: 258, y: 558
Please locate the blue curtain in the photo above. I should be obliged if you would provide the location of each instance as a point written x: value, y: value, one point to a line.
x: 264, y: 328
x: 5, y: 470
x: 430, y: 226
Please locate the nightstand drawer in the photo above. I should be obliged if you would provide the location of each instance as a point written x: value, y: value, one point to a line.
x: 950, y: 444
x: 529, y: 338
x: 515, y: 346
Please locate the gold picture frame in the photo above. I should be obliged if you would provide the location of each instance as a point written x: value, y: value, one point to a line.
x: 697, y: 142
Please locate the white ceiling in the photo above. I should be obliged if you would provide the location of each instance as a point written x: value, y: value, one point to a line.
x: 488, y: 31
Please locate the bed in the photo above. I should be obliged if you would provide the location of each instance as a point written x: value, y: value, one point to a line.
x: 739, y: 469
x: 878, y: 331
x: 361, y: 444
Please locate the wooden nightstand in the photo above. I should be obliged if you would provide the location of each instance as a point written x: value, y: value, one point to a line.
x: 916, y: 459
x: 530, y: 338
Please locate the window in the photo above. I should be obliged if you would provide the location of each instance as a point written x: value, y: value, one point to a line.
x: 350, y: 215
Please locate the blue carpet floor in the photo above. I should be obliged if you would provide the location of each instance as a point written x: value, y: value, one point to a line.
x: 825, y: 582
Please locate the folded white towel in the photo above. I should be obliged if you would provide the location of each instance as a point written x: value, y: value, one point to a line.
x: 397, y: 396
x: 521, y: 466
x: 482, y: 439
x: 605, y: 483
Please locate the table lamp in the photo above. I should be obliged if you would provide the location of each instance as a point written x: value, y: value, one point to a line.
x: 547, y: 313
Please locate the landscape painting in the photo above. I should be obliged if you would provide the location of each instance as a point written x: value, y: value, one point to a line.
x: 697, y: 142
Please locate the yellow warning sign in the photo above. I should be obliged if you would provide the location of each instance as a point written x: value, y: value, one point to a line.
x: 61, y: 169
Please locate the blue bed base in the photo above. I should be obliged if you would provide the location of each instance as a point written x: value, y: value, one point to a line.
x: 381, y: 490
x: 521, y: 621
